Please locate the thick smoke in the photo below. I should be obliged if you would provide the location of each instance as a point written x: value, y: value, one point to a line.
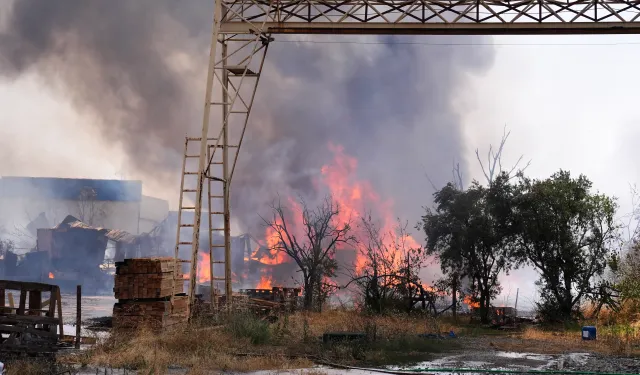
x: 140, y: 66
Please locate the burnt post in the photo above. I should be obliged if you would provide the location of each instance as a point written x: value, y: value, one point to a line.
x: 78, y: 314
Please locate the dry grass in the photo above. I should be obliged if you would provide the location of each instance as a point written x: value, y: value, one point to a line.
x: 196, y: 348
x: 242, y: 344
x: 546, y: 341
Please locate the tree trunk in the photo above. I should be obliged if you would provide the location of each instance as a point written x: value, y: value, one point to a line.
x: 309, y: 289
x: 454, y: 298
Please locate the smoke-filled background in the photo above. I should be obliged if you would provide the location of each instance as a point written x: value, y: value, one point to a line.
x: 137, y: 70
x: 138, y: 67
x: 103, y: 89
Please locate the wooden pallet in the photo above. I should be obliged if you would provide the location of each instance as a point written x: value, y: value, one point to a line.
x: 32, y: 326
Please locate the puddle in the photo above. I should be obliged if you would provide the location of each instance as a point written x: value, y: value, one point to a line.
x: 498, y: 361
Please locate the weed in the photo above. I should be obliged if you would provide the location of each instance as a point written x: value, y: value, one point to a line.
x: 249, y: 326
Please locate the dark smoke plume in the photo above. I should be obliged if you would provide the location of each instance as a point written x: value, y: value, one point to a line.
x: 141, y: 65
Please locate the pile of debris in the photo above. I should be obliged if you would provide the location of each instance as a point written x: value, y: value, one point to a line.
x: 272, y: 300
x: 143, y: 288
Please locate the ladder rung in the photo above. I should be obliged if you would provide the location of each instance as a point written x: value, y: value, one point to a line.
x: 217, y: 196
x: 242, y: 112
x: 190, y: 172
x: 185, y: 243
x: 217, y: 229
x: 200, y: 138
x: 216, y: 213
x: 192, y: 156
x: 221, y: 146
x: 186, y: 225
x: 188, y: 207
x: 189, y: 190
x: 218, y: 262
x: 217, y: 245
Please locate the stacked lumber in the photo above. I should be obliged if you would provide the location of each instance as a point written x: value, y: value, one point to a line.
x: 145, y: 265
x: 143, y: 287
x: 154, y: 314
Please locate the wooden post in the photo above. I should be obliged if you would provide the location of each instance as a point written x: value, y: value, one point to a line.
x: 59, y: 303
x: 78, y: 315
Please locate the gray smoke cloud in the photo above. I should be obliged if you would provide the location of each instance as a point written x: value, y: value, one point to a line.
x: 140, y: 66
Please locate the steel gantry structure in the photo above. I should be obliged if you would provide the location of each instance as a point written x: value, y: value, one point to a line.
x: 243, y: 29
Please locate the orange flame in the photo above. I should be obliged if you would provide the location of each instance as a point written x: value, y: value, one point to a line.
x: 204, y: 270
x: 266, y: 282
x: 354, y: 197
x: 51, y: 275
x: 471, y: 303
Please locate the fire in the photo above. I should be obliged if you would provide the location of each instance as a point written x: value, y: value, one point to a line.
x: 354, y: 197
x: 469, y: 301
x: 51, y: 275
x: 204, y: 270
x: 265, y: 282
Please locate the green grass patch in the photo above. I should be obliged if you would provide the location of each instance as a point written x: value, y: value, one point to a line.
x: 251, y: 327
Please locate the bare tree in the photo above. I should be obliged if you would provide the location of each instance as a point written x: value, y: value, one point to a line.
x: 89, y: 209
x: 313, y: 245
x: 494, y: 161
x: 388, y: 278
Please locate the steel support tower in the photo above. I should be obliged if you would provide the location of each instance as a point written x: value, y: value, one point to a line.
x: 243, y: 29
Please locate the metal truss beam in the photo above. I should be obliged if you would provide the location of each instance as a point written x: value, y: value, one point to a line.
x: 433, y: 17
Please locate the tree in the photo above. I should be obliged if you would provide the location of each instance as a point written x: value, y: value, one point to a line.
x: 567, y: 233
x: 89, y: 209
x: 313, y: 246
x: 472, y: 235
x: 388, y: 278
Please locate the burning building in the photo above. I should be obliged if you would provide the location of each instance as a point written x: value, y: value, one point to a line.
x: 59, y: 227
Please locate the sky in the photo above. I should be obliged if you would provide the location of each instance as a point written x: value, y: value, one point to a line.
x: 568, y: 102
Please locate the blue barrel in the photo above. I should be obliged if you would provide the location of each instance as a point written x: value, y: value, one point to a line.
x: 588, y: 333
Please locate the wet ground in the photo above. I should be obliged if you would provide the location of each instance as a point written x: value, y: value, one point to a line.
x: 92, y: 307
x: 466, y: 362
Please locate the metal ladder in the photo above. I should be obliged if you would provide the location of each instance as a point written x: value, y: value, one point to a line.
x: 188, y: 187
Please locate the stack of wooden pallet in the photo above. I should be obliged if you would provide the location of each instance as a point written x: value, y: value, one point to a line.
x: 143, y: 288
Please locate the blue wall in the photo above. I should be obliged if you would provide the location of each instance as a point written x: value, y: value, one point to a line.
x: 70, y: 188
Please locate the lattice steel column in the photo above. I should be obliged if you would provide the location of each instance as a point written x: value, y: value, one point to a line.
x: 236, y: 68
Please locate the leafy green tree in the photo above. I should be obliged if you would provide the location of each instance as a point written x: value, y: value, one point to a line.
x: 472, y: 234
x: 567, y: 233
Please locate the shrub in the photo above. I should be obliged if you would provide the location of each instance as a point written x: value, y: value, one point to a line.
x: 251, y: 327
